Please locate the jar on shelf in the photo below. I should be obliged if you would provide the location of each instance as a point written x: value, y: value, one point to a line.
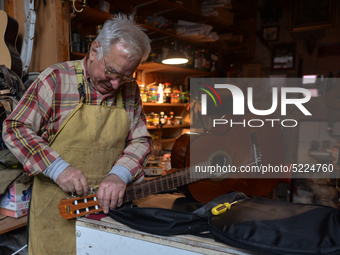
x: 183, y: 98
x: 174, y: 98
x: 168, y: 121
x: 144, y: 97
x: 152, y: 96
x: 150, y: 117
x: 178, y: 120
x: 167, y: 93
x: 156, y: 119
x: 141, y: 88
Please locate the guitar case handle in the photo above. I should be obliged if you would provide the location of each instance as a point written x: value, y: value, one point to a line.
x: 13, y: 82
x: 8, y: 79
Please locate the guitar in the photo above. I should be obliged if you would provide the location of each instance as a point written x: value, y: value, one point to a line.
x: 234, y: 146
x: 8, y: 37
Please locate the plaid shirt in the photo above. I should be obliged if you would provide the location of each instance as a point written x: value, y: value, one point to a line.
x: 45, y: 106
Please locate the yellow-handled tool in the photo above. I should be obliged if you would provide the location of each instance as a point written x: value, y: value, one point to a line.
x: 222, y: 208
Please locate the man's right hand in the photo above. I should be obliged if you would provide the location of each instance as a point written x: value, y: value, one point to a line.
x: 73, y: 180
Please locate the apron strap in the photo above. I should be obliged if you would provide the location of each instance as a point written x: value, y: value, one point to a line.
x: 80, y: 79
x: 119, y: 99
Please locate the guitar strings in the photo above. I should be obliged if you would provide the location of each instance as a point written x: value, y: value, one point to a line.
x: 176, y: 179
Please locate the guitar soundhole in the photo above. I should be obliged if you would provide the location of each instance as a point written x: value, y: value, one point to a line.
x: 220, y: 159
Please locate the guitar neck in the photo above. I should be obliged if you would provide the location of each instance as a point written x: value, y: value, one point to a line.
x: 164, y: 183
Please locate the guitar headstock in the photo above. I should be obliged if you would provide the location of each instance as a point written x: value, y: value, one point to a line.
x: 74, y: 207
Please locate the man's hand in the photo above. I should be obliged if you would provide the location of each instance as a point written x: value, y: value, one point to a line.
x: 110, y: 193
x: 73, y: 180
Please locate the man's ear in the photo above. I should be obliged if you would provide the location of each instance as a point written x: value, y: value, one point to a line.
x: 93, y: 53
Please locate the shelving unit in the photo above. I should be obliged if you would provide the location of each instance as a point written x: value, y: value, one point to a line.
x: 164, y: 104
x: 175, y: 12
x: 170, y: 10
x: 185, y: 125
x: 152, y: 71
x: 168, y: 69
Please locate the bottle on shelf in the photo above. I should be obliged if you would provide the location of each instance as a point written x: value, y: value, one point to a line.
x: 196, y: 60
x: 199, y: 60
x: 167, y: 93
x: 162, y: 119
x: 207, y: 61
x: 160, y: 93
x: 203, y: 60
x: 172, y: 118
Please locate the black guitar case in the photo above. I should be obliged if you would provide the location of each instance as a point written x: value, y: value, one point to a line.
x: 254, y: 223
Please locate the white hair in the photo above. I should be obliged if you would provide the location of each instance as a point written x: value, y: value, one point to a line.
x: 123, y: 29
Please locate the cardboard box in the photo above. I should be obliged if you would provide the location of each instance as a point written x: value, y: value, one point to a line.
x: 15, y: 201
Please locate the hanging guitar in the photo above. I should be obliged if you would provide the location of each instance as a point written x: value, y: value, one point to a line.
x: 236, y: 146
x: 8, y: 37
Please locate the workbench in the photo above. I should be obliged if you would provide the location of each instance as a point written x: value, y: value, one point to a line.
x: 108, y: 237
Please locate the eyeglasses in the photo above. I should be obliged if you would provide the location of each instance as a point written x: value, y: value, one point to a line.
x: 113, y: 75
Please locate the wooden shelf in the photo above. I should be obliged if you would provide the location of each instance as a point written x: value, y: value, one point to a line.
x: 164, y: 104
x: 169, y: 126
x: 8, y: 224
x: 161, y: 68
x: 91, y: 17
x: 155, y: 31
x: 174, y: 12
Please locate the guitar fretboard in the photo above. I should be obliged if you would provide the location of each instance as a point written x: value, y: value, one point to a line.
x: 165, y: 182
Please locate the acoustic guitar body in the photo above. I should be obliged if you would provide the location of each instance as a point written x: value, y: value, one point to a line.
x: 235, y: 147
x: 9, y: 56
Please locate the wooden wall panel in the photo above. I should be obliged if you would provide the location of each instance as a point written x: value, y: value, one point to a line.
x: 51, y: 38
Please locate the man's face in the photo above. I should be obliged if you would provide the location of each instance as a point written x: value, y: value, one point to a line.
x: 106, y: 75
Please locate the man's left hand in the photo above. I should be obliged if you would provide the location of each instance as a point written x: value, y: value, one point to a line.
x: 110, y: 193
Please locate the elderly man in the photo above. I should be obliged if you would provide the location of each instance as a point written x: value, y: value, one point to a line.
x: 80, y: 125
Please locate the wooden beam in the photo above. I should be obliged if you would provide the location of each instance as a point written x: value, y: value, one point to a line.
x: 9, y: 7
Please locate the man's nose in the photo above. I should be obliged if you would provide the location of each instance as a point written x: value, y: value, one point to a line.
x: 115, y: 83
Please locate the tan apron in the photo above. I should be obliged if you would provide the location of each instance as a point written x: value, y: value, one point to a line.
x: 91, y: 139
